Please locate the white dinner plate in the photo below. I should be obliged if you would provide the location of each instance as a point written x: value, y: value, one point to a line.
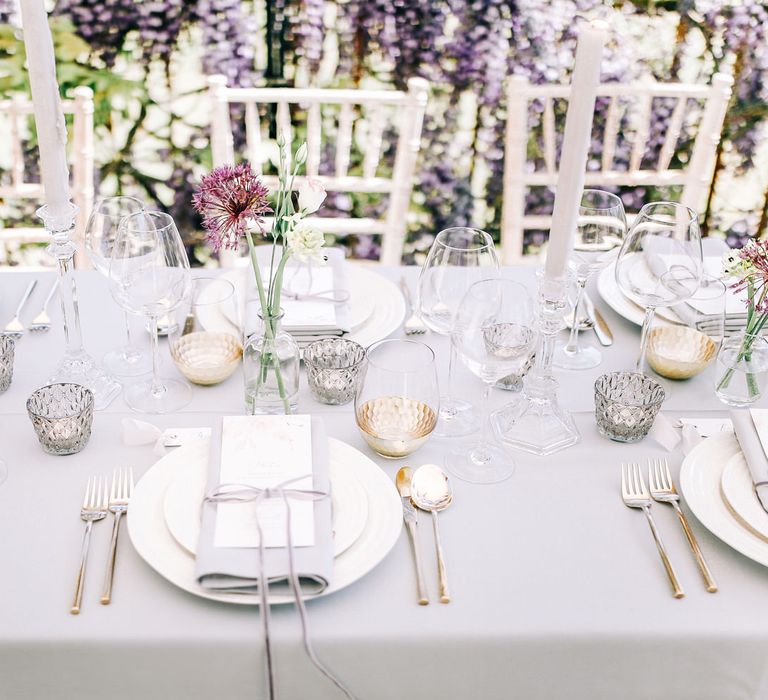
x: 700, y: 477
x: 377, y: 308
x: 155, y: 544
x: 739, y: 493
x: 612, y: 295
x: 183, y: 503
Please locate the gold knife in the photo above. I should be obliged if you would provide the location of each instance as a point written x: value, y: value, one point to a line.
x: 404, y: 477
x: 602, y: 331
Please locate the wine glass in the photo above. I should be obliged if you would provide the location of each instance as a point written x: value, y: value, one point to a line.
x: 100, y: 234
x: 149, y: 275
x: 600, y: 230
x: 494, y: 335
x: 397, y: 402
x: 458, y: 258
x: 660, y: 262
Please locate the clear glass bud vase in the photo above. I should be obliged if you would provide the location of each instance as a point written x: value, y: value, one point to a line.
x: 271, y: 366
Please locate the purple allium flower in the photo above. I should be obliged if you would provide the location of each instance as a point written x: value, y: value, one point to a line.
x: 229, y: 199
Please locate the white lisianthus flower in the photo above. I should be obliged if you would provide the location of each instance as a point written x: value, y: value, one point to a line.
x: 306, y: 243
x: 735, y: 266
x: 311, y: 195
x: 301, y: 153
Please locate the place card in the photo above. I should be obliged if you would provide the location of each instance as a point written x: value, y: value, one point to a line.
x: 264, y: 451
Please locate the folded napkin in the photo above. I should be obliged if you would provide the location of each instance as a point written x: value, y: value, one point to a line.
x: 236, y: 569
x: 314, y: 297
x: 745, y: 425
x: 703, y: 313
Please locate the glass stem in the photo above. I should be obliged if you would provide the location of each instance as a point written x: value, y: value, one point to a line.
x: 572, y: 347
x: 650, y: 312
x: 127, y: 331
x: 157, y: 388
x: 448, y: 409
x: 480, y: 454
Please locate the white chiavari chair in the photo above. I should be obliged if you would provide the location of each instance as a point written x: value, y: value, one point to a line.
x: 361, y: 119
x: 15, y: 188
x: 628, y: 105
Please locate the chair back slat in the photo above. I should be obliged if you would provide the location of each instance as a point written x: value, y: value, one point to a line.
x: 628, y: 114
x: 344, y: 140
x: 549, y: 135
x: 610, y: 133
x: 363, y: 119
x: 314, y: 139
x: 376, y: 121
x: 643, y: 115
x: 673, y: 135
x: 253, y: 136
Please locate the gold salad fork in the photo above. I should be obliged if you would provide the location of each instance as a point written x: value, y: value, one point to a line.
x: 94, y: 509
x: 635, y: 495
x: 119, y: 499
x: 663, y: 490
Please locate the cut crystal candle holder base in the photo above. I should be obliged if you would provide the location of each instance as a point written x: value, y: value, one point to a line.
x: 536, y: 422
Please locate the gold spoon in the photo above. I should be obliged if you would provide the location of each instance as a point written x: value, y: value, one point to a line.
x: 431, y: 491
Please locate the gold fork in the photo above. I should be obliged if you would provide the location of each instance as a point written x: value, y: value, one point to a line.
x: 636, y: 495
x: 119, y: 499
x: 94, y: 509
x: 663, y: 490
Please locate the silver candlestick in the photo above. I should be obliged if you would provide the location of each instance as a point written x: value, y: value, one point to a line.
x: 77, y: 366
x: 536, y: 422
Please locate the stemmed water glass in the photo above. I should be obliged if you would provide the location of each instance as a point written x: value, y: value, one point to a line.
x: 493, y: 334
x: 458, y: 258
x: 100, y: 235
x: 600, y: 230
x: 149, y: 275
x: 660, y: 262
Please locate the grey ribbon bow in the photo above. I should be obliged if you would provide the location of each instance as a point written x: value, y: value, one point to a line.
x: 243, y: 493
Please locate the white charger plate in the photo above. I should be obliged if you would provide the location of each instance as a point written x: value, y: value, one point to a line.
x: 612, y: 295
x: 739, y: 493
x: 155, y: 544
x: 700, y: 477
x: 377, y: 308
x: 183, y: 504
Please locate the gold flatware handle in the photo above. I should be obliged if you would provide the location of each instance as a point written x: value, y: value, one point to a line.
x: 75, y: 609
x: 422, y: 589
x: 445, y: 596
x: 106, y: 596
x: 709, y: 580
x: 677, y: 589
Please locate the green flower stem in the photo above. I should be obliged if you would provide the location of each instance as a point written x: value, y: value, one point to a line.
x: 270, y: 324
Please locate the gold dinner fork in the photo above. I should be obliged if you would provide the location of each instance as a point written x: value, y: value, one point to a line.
x: 636, y: 495
x: 94, y: 508
x: 663, y: 490
x: 119, y: 499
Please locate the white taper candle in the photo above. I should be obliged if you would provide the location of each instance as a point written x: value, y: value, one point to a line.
x: 576, y: 141
x: 49, y: 116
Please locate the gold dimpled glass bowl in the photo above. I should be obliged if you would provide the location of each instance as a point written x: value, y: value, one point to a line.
x: 207, y: 358
x: 679, y: 352
x: 394, y: 426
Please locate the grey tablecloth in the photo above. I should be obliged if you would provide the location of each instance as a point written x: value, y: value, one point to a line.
x: 557, y: 589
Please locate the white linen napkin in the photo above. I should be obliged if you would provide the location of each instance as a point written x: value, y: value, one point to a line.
x: 751, y: 428
x: 236, y: 569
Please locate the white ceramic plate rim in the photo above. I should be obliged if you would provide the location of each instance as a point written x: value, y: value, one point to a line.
x: 739, y: 493
x: 700, y: 477
x: 155, y: 544
x: 608, y: 289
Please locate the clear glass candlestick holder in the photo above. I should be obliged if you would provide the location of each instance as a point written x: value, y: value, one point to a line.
x: 77, y: 366
x: 535, y: 422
